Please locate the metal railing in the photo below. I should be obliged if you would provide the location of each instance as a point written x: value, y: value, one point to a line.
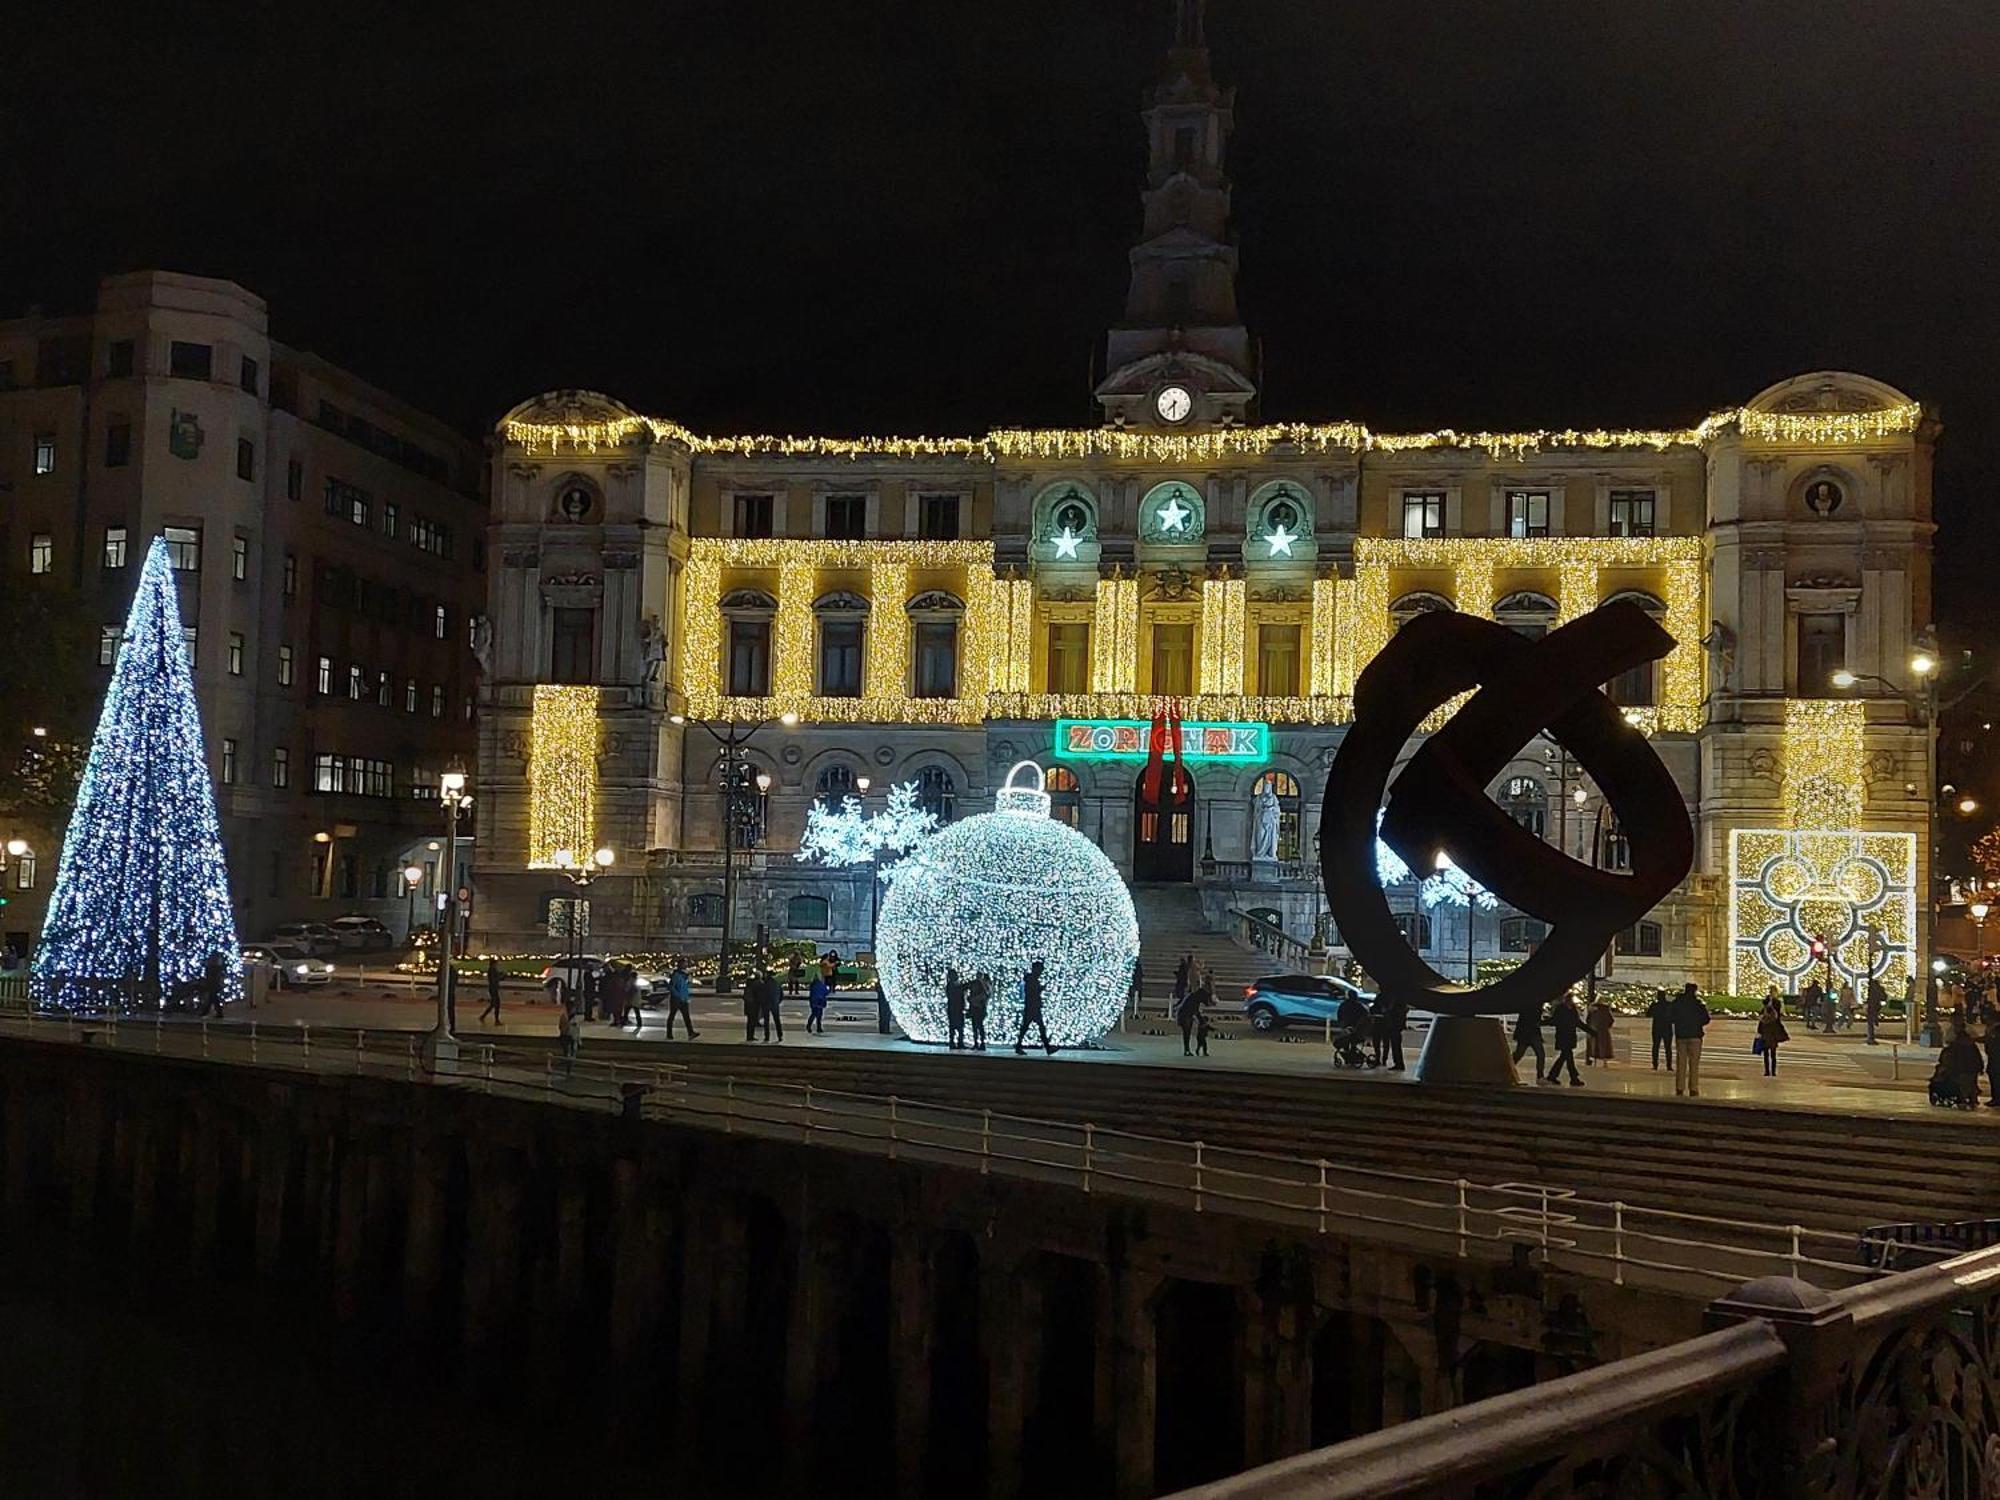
x: 1261, y: 935
x: 1552, y: 1226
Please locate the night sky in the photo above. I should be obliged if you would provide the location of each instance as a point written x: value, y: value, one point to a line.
x: 914, y: 217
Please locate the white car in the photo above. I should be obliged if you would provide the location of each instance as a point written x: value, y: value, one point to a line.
x: 315, y: 937
x: 573, y: 969
x: 358, y: 931
x: 291, y: 965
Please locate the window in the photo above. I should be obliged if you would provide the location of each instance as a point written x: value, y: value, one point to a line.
x: 248, y: 377
x: 117, y: 445
x: 45, y: 453
x: 384, y: 693
x: 410, y: 696
x: 1642, y: 940
x: 239, y: 558
x: 1173, y: 659
x: 846, y: 517
x: 114, y: 546
x: 184, y: 548
x: 836, y: 783
x: 840, y: 658
x: 705, y: 909
x: 1526, y: 801
x: 370, y: 778
x: 1631, y: 512
x: 1285, y: 788
x: 41, y: 553
x: 357, y: 683
x: 291, y: 576
x: 1521, y: 934
x: 1065, y: 795
x: 24, y: 872
x: 329, y: 773
x: 936, y: 792
x: 1069, y: 658
x: 246, y: 459
x: 937, y: 518
x: 281, y: 768
x: 295, y: 479
x: 753, y: 515
x: 1822, y: 652
x: 118, y: 359
x: 326, y: 676
x: 349, y: 502
x: 1615, y: 853
x: 229, y: 762
x: 937, y: 659
x: 1527, y: 513
x: 392, y: 517
x: 284, y: 666
x: 190, y: 638
x: 1423, y: 513
x: 437, y: 700
x: 806, y: 914
x: 571, y: 638
x: 1278, y: 661
x: 190, y: 361
x: 1526, y: 614
x: 1416, y: 929
x: 107, y: 644
x: 749, y: 658
x: 235, y: 653
x: 428, y: 536
x: 440, y: 622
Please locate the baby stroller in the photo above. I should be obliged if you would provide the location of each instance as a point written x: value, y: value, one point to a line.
x: 1353, y: 1031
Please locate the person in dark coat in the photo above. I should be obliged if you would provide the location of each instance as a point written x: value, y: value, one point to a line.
x: 772, y: 994
x: 1956, y: 1078
x: 680, y: 989
x: 795, y: 975
x: 1138, y: 995
x: 977, y: 995
x: 1394, y: 1022
x: 954, y: 1009
x: 1528, y: 1036
x: 214, y: 973
x: 1771, y: 1033
x: 753, y: 1007
x: 492, y: 992
x: 1661, y: 1014
x: 1690, y: 1021
x: 816, y: 998
x: 1569, y: 1024
x: 1812, y: 1005
x: 1181, y: 972
x: 590, y: 992
x: 1187, y: 1014
x: 1031, y: 1009
x: 1878, y: 996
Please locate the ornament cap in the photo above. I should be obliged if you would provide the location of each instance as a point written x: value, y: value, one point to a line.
x: 1023, y: 801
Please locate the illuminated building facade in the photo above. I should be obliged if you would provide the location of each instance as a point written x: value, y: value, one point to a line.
x: 936, y: 609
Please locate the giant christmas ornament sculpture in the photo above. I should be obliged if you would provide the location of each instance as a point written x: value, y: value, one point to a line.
x: 142, y: 893
x: 993, y: 893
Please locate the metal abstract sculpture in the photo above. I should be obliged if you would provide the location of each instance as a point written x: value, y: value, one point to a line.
x: 1439, y: 803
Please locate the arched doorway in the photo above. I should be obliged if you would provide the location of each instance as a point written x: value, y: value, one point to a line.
x: 1162, y: 832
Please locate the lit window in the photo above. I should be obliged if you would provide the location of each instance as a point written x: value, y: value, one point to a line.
x: 107, y: 644
x: 291, y: 576
x: 239, y: 558
x: 41, y: 553
x: 437, y: 700
x: 441, y: 622
x: 190, y: 636
x: 391, y: 518
x: 281, y: 768
x: 1631, y: 512
x: 410, y: 696
x: 357, y: 683
x: 1641, y: 940
x: 326, y: 675
x: 383, y: 691
x: 45, y: 453
x: 1527, y: 513
x: 329, y: 773
x: 235, y: 653
x: 229, y: 762
x: 24, y: 872
x: 1423, y: 513
x: 937, y: 792
x: 184, y: 548
x: 1526, y: 801
x: 114, y: 546
x: 284, y: 666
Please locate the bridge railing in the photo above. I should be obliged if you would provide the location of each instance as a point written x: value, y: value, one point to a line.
x: 1262, y: 935
x: 1542, y: 1224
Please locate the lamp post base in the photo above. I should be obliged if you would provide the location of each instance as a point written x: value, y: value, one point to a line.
x: 441, y: 1050
x: 1466, y: 1049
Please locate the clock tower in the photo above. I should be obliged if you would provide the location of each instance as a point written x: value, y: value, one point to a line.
x: 1181, y: 357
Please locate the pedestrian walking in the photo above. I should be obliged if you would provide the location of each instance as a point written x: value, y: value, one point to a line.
x: 1690, y: 1021
x: 1395, y: 1021
x: 753, y: 1007
x: 1568, y: 1023
x: 1528, y: 1036
x: 1181, y: 972
x: 1600, y: 1020
x: 634, y: 1001
x: 1138, y: 993
x: 680, y: 990
x: 1771, y: 1032
x: 1201, y: 1033
x: 1661, y: 1013
x: 492, y: 992
x: 772, y: 995
x: 954, y: 1009
x: 816, y: 997
x: 1031, y: 1009
x: 1878, y: 996
x: 590, y: 988
x: 977, y: 995
x: 1844, y: 1011
x: 566, y: 1034
x: 795, y: 974
x: 1186, y: 1013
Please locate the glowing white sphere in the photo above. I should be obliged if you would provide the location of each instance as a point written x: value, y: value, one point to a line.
x: 992, y: 894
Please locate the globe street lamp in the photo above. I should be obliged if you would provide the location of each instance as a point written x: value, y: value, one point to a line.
x: 454, y: 799
x: 413, y: 876
x: 1979, y: 909
x: 580, y: 874
x: 739, y: 778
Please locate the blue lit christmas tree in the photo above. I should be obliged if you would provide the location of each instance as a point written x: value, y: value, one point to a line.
x: 142, y: 894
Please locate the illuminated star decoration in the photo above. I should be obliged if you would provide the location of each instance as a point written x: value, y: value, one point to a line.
x: 1173, y: 515
x: 1281, y: 540
x: 1066, y: 542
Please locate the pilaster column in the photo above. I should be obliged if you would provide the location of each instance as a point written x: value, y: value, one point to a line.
x: 807, y: 1336
x: 1135, y: 1387
x: 1010, y: 1335
x: 636, y: 1262
x: 910, y: 1350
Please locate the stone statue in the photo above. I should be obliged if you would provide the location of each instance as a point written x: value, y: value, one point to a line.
x: 652, y: 646
x: 1264, y: 823
x: 482, y: 644
x: 1720, y: 643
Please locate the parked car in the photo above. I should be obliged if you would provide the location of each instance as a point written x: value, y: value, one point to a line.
x: 315, y: 937
x: 573, y: 970
x: 1279, y: 1000
x: 291, y: 965
x: 357, y: 930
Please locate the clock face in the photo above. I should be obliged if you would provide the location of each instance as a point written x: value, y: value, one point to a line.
x: 1173, y: 403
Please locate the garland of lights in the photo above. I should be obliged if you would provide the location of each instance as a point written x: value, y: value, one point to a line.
x: 562, y: 773
x: 142, y: 892
x: 993, y: 893
x: 1814, y: 429
x: 1823, y: 760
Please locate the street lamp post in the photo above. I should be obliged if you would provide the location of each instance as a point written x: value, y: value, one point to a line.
x: 580, y: 875
x: 738, y: 777
x: 454, y: 799
x: 1979, y: 909
x: 413, y: 876
x: 874, y: 875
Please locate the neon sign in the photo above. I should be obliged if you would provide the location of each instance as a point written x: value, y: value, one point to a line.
x: 1132, y: 739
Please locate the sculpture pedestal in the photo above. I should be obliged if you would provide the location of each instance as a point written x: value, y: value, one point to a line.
x: 1466, y: 1049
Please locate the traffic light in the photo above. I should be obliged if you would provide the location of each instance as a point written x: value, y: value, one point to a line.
x: 1818, y: 950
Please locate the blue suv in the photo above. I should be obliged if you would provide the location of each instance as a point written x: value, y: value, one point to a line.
x: 1279, y: 1000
